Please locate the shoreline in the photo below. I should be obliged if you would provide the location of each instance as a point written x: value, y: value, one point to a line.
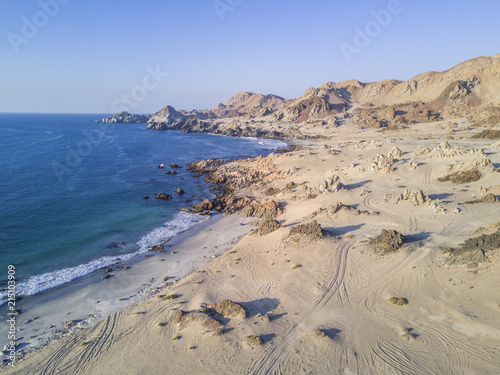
x: 129, y: 282
x: 301, y: 291
x: 89, y: 299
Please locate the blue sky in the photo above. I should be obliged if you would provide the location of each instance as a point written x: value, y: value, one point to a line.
x: 87, y: 56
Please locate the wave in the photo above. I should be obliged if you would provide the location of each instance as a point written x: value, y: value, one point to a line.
x: 181, y: 222
x: 272, y: 143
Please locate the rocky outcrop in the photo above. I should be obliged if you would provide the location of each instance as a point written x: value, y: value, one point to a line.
x: 388, y: 241
x: 462, y: 177
x: 394, y: 116
x: 269, y: 210
x: 253, y: 340
x: 331, y: 184
x: 489, y: 198
x: 416, y: 197
x: 462, y: 173
x: 205, y: 165
x: 163, y: 118
x: 487, y: 134
x: 267, y: 226
x: 229, y: 309
x: 474, y: 249
x: 206, y: 205
x: 311, y: 230
x: 125, y: 117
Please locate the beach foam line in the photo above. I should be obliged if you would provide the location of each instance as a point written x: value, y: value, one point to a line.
x: 181, y: 222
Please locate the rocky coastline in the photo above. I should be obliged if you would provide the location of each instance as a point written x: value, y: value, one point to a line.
x: 125, y: 117
x: 379, y: 239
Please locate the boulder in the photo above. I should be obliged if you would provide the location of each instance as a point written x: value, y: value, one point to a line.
x: 179, y: 191
x: 173, y: 165
x: 156, y: 248
x: 171, y: 172
x: 206, y: 205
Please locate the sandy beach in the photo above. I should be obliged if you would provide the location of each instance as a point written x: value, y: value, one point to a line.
x: 320, y: 303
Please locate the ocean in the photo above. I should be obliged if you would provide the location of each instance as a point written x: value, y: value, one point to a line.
x: 71, y: 192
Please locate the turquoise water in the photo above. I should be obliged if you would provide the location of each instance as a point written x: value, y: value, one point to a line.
x: 69, y: 188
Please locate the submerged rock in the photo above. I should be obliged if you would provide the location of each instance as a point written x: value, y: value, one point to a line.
x: 163, y: 196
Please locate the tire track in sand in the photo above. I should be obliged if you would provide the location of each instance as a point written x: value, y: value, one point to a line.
x: 273, y: 358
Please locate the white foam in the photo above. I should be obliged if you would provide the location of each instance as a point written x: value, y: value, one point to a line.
x: 272, y: 143
x: 181, y: 222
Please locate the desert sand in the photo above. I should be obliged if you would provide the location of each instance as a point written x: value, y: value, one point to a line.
x: 320, y: 301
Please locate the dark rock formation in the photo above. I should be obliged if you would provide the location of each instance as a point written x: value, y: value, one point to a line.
x: 229, y: 309
x: 487, y: 134
x: 253, y: 340
x: 206, y: 205
x: 489, y: 198
x: 462, y: 177
x: 156, y: 248
x: 311, y: 230
x: 388, y: 241
x: 163, y: 196
x: 267, y: 226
